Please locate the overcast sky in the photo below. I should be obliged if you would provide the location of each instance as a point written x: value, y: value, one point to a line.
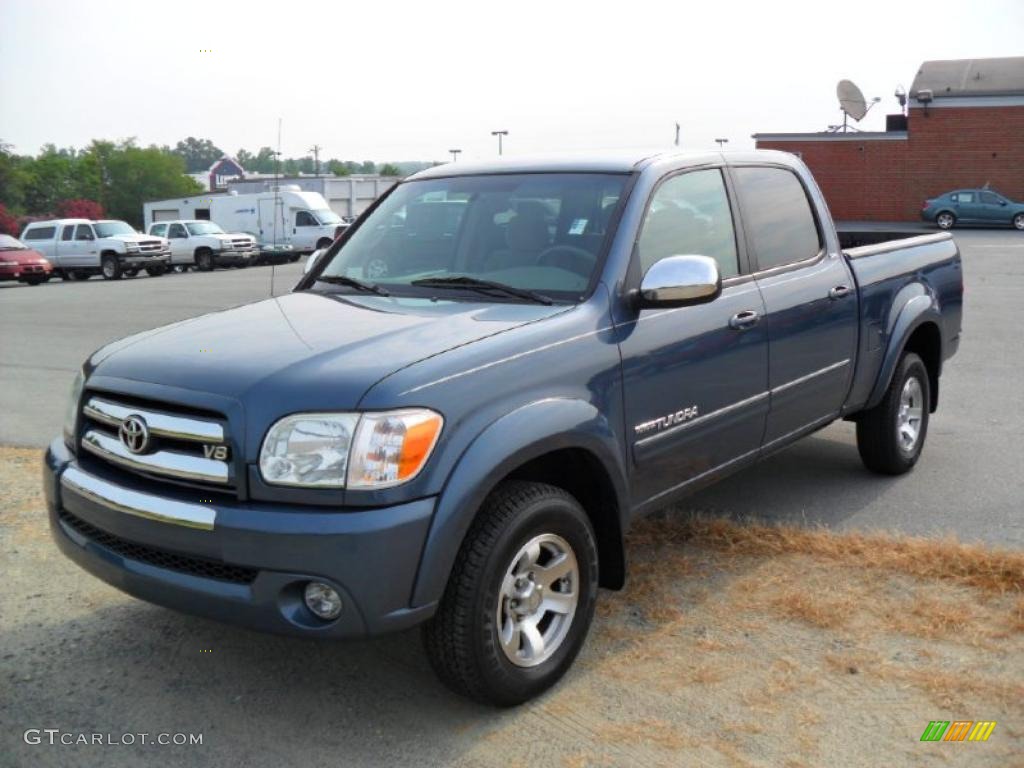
x: 408, y: 81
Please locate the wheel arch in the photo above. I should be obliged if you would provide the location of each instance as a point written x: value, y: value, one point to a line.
x: 551, y: 441
x: 917, y: 328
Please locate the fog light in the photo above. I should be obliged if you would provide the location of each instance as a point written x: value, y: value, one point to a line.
x: 323, y: 600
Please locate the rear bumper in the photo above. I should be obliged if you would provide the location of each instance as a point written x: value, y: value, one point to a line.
x: 244, y: 564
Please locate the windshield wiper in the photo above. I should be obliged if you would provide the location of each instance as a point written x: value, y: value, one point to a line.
x: 352, y: 282
x: 482, y: 286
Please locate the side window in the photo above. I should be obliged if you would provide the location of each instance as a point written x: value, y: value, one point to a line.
x: 68, y: 232
x: 84, y: 232
x: 305, y: 219
x: 690, y: 214
x: 177, y: 230
x: 41, y: 233
x: 989, y: 198
x: 158, y: 229
x: 777, y: 216
x: 965, y: 197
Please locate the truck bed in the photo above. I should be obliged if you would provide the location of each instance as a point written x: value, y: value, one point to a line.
x: 896, y: 279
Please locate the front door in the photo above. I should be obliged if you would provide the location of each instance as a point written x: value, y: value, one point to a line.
x: 181, y: 251
x: 304, y: 230
x: 695, y: 378
x: 810, y: 298
x: 994, y: 209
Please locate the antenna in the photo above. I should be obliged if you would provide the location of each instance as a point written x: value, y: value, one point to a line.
x: 852, y: 103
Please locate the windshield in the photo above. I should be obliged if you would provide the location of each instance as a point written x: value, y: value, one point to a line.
x: 327, y: 217
x: 203, y: 228
x: 8, y: 243
x: 539, y: 232
x: 110, y: 228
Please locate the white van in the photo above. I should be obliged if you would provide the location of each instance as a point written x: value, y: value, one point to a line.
x: 79, y: 248
x: 286, y: 216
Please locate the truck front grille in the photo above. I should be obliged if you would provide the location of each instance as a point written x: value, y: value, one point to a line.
x: 150, y: 246
x: 158, y: 442
x: 195, y: 566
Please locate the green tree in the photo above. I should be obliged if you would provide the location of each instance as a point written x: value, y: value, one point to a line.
x: 246, y: 159
x: 198, y: 154
x: 389, y: 169
x: 337, y: 167
x: 368, y: 166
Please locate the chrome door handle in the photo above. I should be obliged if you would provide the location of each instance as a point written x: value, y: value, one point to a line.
x: 839, y: 291
x: 741, y: 321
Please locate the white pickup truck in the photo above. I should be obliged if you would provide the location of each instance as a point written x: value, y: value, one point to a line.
x: 204, y: 245
x: 79, y: 248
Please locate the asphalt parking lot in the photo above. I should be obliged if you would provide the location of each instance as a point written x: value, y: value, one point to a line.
x: 967, y: 483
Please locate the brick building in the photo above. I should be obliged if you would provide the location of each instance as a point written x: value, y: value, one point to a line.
x: 964, y: 127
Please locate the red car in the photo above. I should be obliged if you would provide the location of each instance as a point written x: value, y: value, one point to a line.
x: 21, y: 263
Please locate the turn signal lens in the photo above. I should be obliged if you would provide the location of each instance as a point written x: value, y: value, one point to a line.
x: 391, y: 448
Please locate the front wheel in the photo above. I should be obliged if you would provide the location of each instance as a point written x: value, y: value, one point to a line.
x: 1018, y: 222
x: 945, y: 220
x: 520, y: 598
x: 111, y: 268
x: 204, y: 261
x: 891, y: 435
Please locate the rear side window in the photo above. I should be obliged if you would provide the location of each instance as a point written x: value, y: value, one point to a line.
x: 777, y: 216
x: 40, y: 233
x: 965, y: 197
x: 690, y: 214
x: 68, y: 232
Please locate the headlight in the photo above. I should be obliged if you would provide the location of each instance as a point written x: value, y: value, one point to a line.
x: 330, y: 450
x: 71, y: 411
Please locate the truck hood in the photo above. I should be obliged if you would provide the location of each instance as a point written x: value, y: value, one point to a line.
x: 305, y: 351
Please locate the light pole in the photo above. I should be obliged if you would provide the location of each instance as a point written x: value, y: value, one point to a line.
x: 315, y: 149
x: 455, y: 154
x: 721, y: 142
x: 499, y: 134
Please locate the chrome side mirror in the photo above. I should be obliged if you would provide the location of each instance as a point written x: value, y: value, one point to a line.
x: 677, y: 281
x: 312, y: 260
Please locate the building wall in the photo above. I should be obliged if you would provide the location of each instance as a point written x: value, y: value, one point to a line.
x: 888, y: 180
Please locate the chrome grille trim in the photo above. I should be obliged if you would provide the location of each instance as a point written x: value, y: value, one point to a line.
x: 166, y: 463
x: 160, y: 423
x: 132, y: 502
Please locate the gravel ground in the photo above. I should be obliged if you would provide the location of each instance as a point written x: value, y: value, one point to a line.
x: 720, y: 653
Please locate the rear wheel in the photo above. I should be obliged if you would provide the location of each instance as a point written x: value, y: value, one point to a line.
x: 111, y: 268
x: 323, y: 242
x: 891, y: 435
x: 520, y: 598
x: 204, y: 260
x: 36, y: 280
x: 945, y: 220
x: 1018, y: 221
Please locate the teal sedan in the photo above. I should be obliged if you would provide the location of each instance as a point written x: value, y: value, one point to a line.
x: 973, y: 206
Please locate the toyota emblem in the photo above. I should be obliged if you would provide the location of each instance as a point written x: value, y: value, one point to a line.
x: 134, y: 434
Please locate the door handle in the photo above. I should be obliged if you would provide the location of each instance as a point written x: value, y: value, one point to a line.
x: 741, y: 321
x: 839, y: 291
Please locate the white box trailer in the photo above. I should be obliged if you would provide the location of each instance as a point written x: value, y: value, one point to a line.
x: 276, y: 217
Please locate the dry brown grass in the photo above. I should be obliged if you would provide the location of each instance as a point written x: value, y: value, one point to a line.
x: 992, y: 570
x: 648, y: 732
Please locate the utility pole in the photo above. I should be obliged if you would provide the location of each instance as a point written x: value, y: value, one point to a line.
x: 455, y: 154
x: 499, y: 134
x: 677, y: 134
x: 315, y: 149
x: 721, y: 142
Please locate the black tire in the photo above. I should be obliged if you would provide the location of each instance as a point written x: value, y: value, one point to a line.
x: 878, y: 429
x: 36, y: 280
x: 204, y: 260
x: 111, y: 268
x: 462, y: 639
x: 1018, y: 221
x: 294, y: 257
x: 73, y: 275
x: 945, y: 220
x: 156, y: 271
x: 130, y: 272
x: 323, y: 242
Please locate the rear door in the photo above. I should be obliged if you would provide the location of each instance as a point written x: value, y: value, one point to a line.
x: 967, y: 206
x: 695, y: 379
x: 810, y: 298
x: 65, y: 246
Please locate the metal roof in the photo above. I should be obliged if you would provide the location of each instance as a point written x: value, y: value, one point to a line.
x: 971, y: 77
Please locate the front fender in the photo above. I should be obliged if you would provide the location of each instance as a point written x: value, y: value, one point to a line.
x: 916, y: 306
x: 506, y: 444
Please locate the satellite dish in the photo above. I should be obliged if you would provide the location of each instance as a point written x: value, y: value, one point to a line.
x: 851, y: 100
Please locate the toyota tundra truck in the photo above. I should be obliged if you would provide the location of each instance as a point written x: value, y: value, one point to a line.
x: 457, y: 413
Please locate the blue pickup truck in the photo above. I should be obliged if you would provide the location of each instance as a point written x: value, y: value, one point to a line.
x: 454, y: 417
